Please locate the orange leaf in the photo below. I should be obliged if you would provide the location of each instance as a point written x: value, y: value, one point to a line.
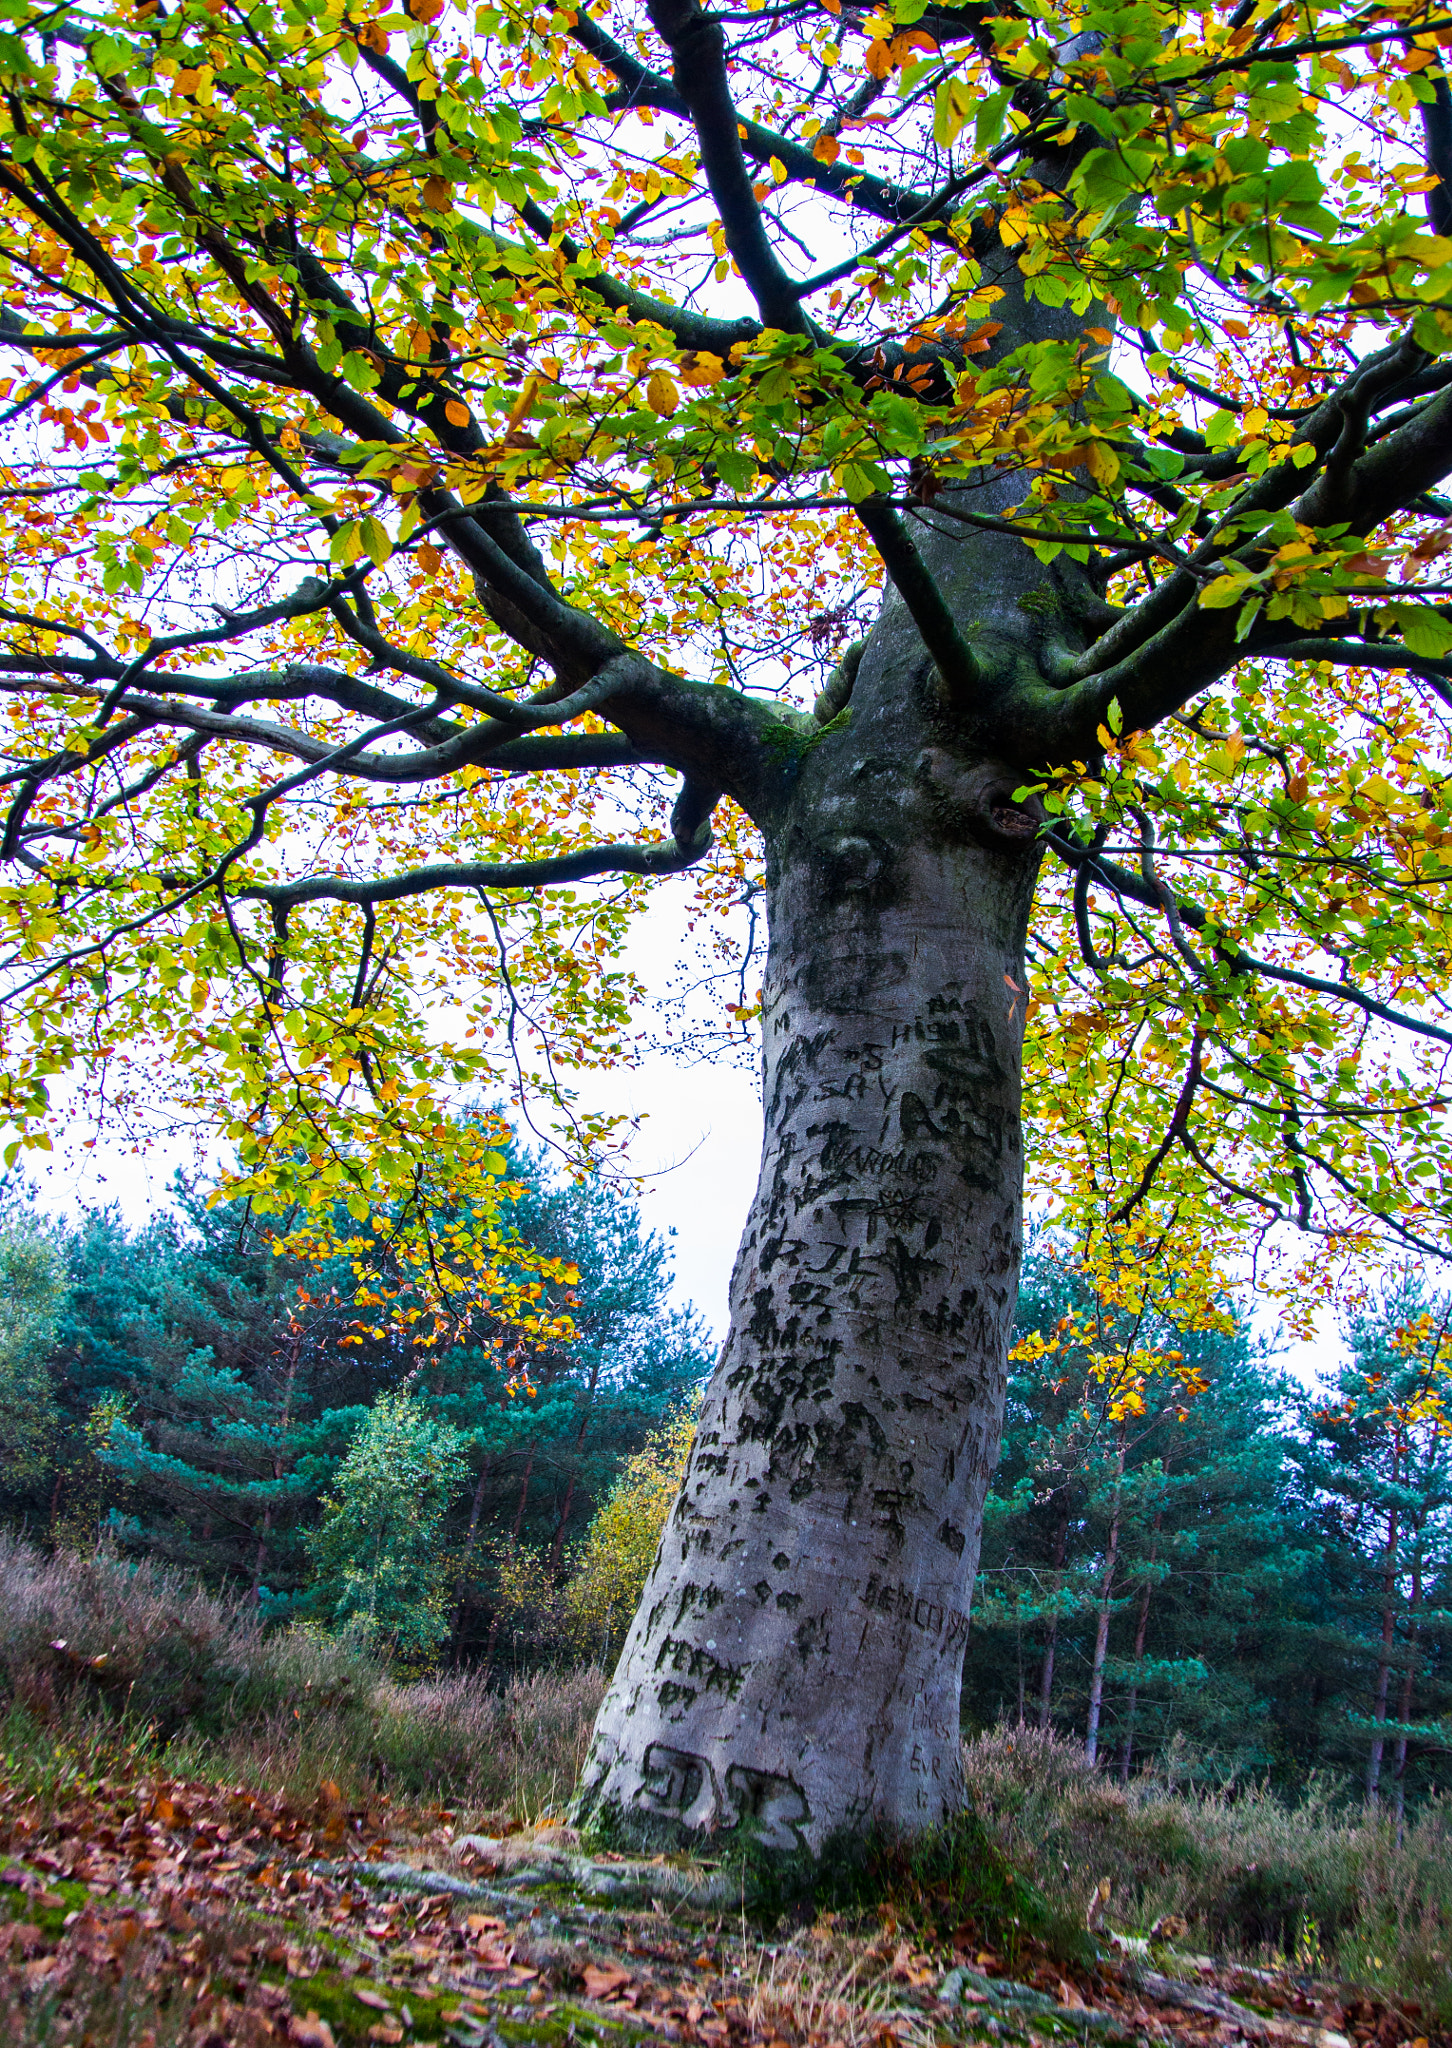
x: 438, y: 194
x: 457, y: 415
x: 878, y: 61
x: 826, y: 149
x: 430, y: 558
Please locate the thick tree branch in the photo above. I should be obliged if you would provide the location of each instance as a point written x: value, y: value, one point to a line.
x: 698, y: 48
x: 665, y: 857
x: 957, y: 664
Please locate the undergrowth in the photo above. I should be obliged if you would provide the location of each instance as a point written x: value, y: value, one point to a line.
x: 107, y: 1668
x: 1340, y: 1888
x: 103, y: 1661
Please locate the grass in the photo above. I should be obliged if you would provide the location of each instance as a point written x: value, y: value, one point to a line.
x: 101, y: 1659
x: 1327, y: 1882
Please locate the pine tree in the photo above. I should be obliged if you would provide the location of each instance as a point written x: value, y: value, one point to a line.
x: 1142, y: 1569
x: 1378, y: 1460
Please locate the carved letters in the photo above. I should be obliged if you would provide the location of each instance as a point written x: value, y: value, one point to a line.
x: 680, y: 1786
x: 902, y: 1604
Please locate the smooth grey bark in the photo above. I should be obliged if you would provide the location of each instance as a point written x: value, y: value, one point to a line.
x: 796, y: 1660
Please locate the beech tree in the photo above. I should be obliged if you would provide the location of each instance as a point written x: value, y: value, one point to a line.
x: 987, y: 453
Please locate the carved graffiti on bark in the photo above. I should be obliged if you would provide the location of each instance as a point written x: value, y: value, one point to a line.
x: 681, y: 1786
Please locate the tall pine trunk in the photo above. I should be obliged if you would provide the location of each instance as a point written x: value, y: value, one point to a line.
x: 1141, y: 1630
x: 1384, y: 1654
x: 1101, y: 1630
x: 1046, y: 1673
x: 1409, y: 1681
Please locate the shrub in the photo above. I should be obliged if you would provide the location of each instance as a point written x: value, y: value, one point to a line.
x: 91, y: 1644
x: 377, y: 1552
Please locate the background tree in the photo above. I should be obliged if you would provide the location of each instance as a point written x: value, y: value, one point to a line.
x: 1188, y: 1488
x: 431, y: 433
x: 202, y: 1388
x: 1379, y: 1458
x: 380, y: 1573
x: 32, y: 1288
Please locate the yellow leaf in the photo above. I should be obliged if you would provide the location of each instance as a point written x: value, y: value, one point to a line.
x: 701, y: 368
x: 661, y: 394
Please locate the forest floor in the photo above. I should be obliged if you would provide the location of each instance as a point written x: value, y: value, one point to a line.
x: 142, y: 1911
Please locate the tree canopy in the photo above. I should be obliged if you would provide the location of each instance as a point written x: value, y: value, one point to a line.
x: 427, y: 428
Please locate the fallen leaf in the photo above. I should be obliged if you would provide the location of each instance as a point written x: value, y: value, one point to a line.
x: 604, y: 1980
x: 313, y: 2032
x: 366, y: 1995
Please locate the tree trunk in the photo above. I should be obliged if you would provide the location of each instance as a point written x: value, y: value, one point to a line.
x: 1046, y: 1675
x: 462, y: 1604
x: 1409, y: 1680
x: 557, y: 1548
x: 1384, y: 1654
x: 797, y: 1657
x: 1101, y: 1632
x: 513, y: 1541
x: 796, y: 1663
x: 1141, y: 1630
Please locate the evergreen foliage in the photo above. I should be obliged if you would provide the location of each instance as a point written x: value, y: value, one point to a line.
x: 203, y: 1392
x: 1219, y: 1556
x: 31, y: 1291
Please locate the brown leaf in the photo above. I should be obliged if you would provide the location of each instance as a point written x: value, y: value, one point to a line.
x: 366, y: 1995
x: 311, y: 2032
x: 604, y: 1980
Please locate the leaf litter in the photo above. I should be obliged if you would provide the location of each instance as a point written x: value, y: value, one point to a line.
x: 170, y: 1913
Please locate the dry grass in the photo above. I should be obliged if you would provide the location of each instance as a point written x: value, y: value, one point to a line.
x: 150, y: 1664
x: 97, y: 1654
x: 822, y: 1985
x: 1333, y: 1884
